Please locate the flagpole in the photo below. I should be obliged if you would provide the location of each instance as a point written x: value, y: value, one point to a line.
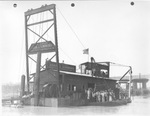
x: 86, y: 51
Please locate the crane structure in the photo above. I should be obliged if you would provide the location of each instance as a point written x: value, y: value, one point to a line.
x: 40, y: 39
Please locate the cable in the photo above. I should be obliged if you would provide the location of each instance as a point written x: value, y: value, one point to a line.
x: 71, y: 28
x: 64, y: 52
x: 68, y: 56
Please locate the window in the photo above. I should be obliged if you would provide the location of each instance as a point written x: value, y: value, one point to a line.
x: 74, y: 88
x: 69, y: 87
x: 83, y: 69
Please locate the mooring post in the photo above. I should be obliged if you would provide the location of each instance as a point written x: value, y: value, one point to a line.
x: 37, y: 80
x: 22, y: 85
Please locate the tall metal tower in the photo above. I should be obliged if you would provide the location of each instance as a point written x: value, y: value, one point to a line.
x: 40, y: 39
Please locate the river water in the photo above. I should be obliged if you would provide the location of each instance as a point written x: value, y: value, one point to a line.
x: 140, y: 106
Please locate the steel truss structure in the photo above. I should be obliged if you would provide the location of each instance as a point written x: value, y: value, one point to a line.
x: 42, y: 44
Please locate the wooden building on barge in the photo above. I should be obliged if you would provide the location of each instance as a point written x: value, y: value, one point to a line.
x: 72, y: 84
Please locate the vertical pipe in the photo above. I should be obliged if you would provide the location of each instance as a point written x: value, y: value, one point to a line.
x: 129, y: 87
x: 37, y: 80
x: 108, y: 69
x: 57, y: 54
x: 27, y: 62
x: 140, y: 85
x: 134, y: 85
x: 144, y: 85
x: 130, y: 78
x: 22, y: 85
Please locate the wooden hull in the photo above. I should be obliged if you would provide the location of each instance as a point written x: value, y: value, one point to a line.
x: 112, y: 103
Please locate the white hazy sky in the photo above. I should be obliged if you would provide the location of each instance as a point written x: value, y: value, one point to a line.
x: 112, y: 30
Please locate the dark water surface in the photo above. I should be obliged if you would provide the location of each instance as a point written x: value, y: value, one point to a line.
x: 140, y: 106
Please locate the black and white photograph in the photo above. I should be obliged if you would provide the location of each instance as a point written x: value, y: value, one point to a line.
x: 75, y: 57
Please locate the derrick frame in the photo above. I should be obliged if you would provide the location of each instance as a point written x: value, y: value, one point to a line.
x: 28, y: 15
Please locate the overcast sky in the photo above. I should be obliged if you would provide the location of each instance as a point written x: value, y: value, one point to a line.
x: 112, y: 30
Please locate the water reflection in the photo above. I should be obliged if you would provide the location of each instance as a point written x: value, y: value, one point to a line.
x: 139, y: 106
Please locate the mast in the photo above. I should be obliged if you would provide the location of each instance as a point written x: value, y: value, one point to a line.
x: 57, y: 54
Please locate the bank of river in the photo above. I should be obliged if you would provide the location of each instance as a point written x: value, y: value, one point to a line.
x: 139, y: 106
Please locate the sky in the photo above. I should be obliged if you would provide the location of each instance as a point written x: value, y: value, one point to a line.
x: 113, y: 31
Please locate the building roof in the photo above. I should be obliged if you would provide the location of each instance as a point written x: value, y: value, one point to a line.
x: 78, y: 74
x: 85, y: 75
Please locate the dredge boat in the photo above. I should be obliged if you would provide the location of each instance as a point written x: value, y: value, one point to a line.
x: 58, y: 84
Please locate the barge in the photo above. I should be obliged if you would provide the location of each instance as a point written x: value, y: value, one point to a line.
x: 56, y: 84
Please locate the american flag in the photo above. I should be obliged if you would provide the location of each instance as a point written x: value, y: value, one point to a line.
x: 86, y: 51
